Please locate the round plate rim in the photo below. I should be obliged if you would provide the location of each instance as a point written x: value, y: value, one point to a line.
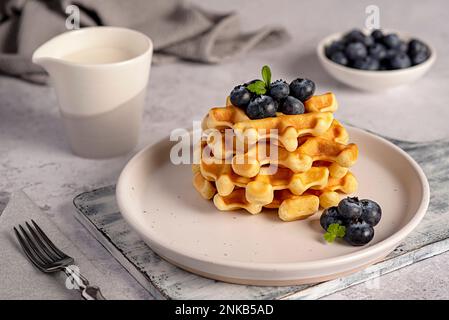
x: 376, y: 249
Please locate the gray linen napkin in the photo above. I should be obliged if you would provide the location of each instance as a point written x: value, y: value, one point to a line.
x: 19, y: 279
x: 178, y: 30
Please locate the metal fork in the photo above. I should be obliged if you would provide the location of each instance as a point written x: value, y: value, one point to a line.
x: 41, y: 251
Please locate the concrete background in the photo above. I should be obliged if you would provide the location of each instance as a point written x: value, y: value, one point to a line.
x: 34, y: 155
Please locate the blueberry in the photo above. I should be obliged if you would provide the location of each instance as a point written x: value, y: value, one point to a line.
x: 358, y: 233
x: 419, y: 57
x: 403, y: 47
x: 385, y: 62
x: 399, y: 61
x: 340, y: 58
x: 378, y: 51
x: 240, y: 96
x: 330, y: 216
x: 335, y: 46
x: 261, y: 107
x: 350, y: 208
x: 415, y: 46
x: 368, y: 41
x: 291, y: 105
x: 354, y: 35
x: 371, y: 212
x: 391, y: 41
x: 391, y: 53
x: 279, y: 90
x: 302, y: 89
x: 377, y: 35
x: 356, y: 50
x: 367, y: 63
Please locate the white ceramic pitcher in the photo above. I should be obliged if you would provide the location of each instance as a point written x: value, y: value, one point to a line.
x: 100, y: 75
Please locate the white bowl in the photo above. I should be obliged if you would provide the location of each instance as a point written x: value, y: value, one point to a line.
x: 372, y: 80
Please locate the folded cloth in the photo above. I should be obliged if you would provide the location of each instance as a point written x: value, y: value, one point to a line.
x: 178, y: 30
x: 19, y: 279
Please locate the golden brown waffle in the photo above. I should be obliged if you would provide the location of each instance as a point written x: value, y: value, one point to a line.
x: 326, y: 199
x: 310, y: 154
x: 228, y: 116
x: 291, y: 206
x: 234, y: 201
x: 259, y: 189
x: 224, y: 117
x: 328, y: 196
x: 322, y: 103
x: 250, y: 163
x: 312, y: 149
x: 335, y: 170
x: 336, y: 133
x: 284, y: 128
x: 347, y: 184
x: 294, y: 208
x: 205, y: 188
x: 224, y: 145
x: 321, y: 149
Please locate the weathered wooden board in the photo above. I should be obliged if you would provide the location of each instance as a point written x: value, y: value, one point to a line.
x: 99, y: 213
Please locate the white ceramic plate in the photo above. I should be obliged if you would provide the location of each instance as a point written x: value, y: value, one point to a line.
x: 158, y: 200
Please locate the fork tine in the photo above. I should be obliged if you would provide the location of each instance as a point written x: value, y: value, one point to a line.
x: 38, y: 251
x: 28, y: 251
x: 61, y: 254
x: 41, y: 244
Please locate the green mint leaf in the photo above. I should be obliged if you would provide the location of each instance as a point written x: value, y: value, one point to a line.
x: 329, y: 237
x: 341, y: 231
x: 257, y: 87
x: 266, y: 75
x: 334, y: 231
x: 333, y: 228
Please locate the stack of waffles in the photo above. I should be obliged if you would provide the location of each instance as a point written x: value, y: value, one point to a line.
x: 293, y: 163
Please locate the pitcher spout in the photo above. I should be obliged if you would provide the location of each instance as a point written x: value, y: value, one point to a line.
x: 45, y: 57
x: 44, y: 62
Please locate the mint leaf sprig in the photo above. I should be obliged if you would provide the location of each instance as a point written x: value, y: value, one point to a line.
x: 266, y: 76
x: 334, y: 231
x: 257, y: 87
x: 261, y: 87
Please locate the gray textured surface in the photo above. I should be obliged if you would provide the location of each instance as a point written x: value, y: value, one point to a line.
x: 162, y: 279
x: 35, y: 156
x: 21, y: 280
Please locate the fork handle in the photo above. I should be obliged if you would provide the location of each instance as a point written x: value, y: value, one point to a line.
x: 88, y: 292
x: 92, y: 293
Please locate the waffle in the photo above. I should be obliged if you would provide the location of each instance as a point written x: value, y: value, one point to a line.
x: 328, y: 196
x: 336, y: 133
x: 322, y: 103
x: 204, y: 187
x: 293, y: 208
x: 293, y: 163
x: 224, y: 144
x: 284, y: 128
x: 224, y: 117
x: 263, y: 189
x: 259, y: 189
x: 312, y: 149
x: 234, y: 201
x: 228, y: 116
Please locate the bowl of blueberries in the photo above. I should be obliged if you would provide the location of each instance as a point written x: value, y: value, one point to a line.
x: 375, y: 60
